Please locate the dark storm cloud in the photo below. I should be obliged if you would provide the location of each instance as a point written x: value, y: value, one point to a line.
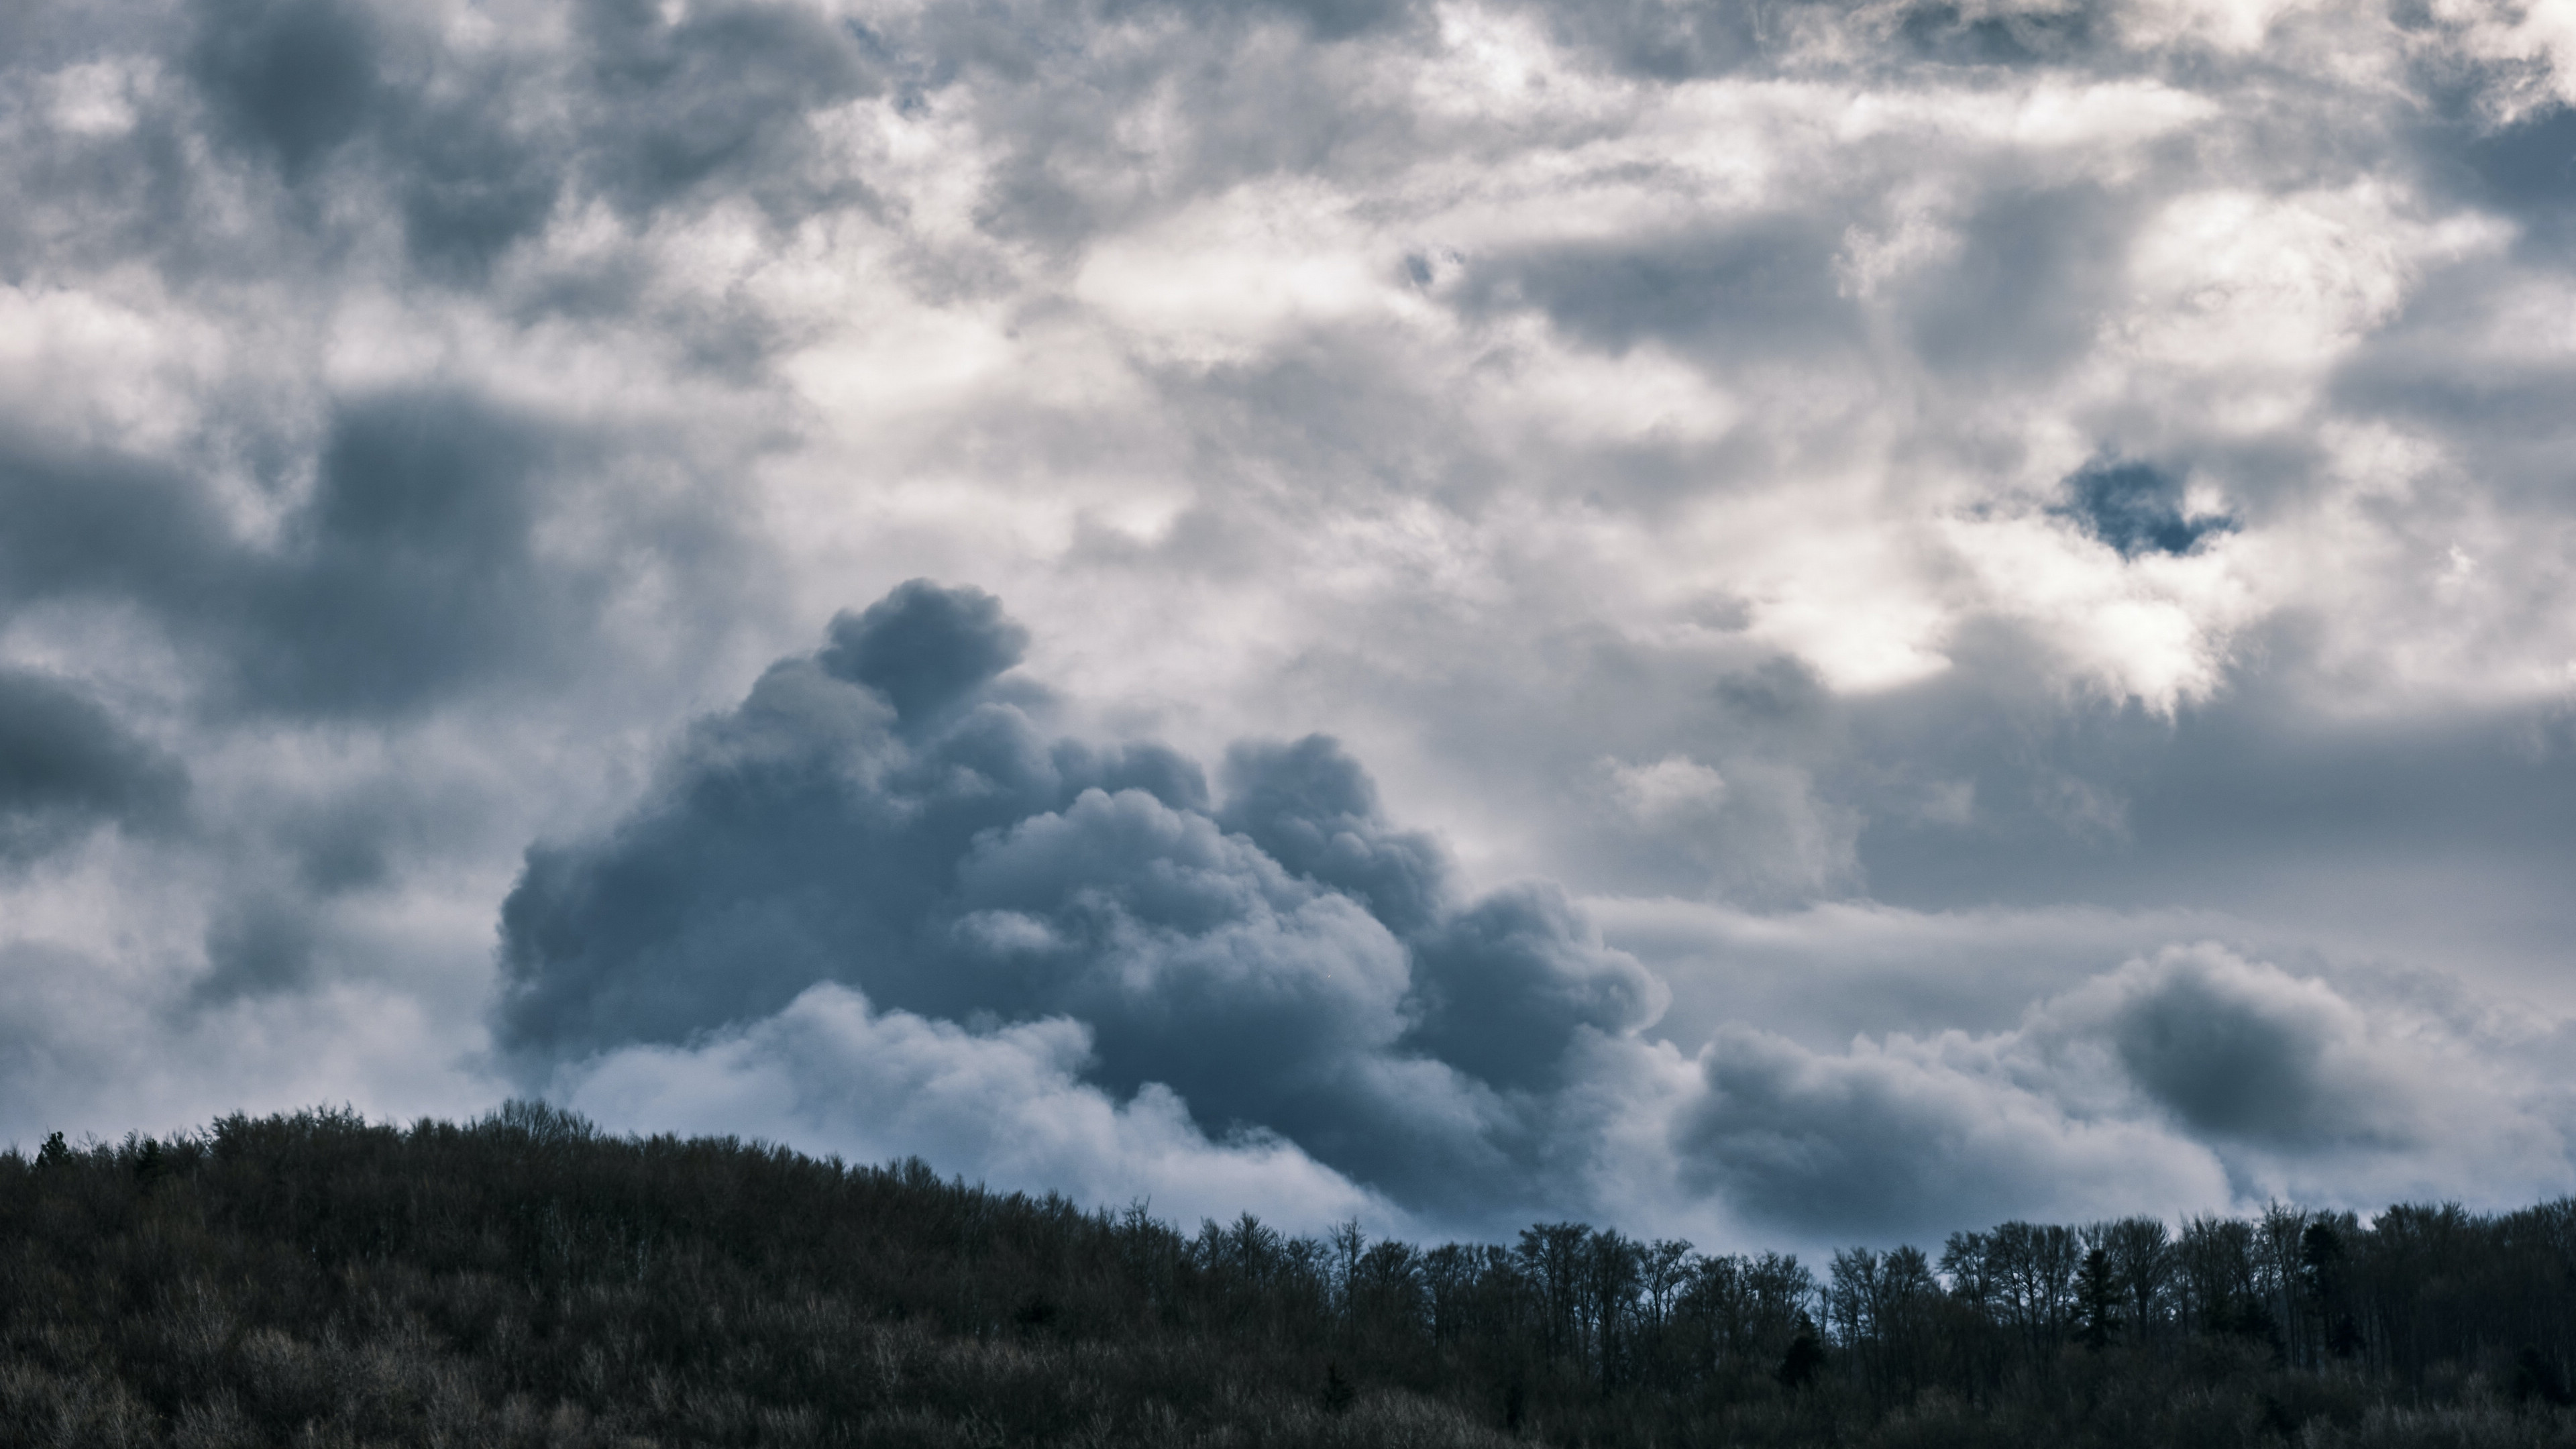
x: 2243, y: 1054
x: 413, y: 569
x: 1311, y: 807
x: 876, y: 816
x: 1506, y: 986
x: 648, y: 112
x: 1996, y: 35
x: 2524, y: 168
x: 720, y: 95
x: 1880, y: 1145
x: 299, y: 81
x: 2529, y: 165
x: 67, y: 764
x: 258, y: 943
x: 93, y: 523
x: 473, y: 149
x: 471, y: 185
x: 297, y: 77
x: 924, y: 649
x: 1325, y: 20
x: 1679, y: 40
x: 411, y: 572
x: 2228, y: 1061
x: 1665, y: 41
x: 1290, y: 965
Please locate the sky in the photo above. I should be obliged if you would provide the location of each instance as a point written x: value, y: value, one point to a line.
x: 1786, y: 624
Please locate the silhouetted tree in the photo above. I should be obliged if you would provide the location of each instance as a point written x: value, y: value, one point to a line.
x: 2142, y: 1261
x: 1803, y: 1361
x: 2098, y: 1296
x: 526, y: 1279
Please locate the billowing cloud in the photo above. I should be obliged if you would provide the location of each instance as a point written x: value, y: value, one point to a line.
x: 1009, y: 1103
x: 1897, y: 1138
x: 826, y: 875
x: 885, y: 817
x: 2188, y: 1077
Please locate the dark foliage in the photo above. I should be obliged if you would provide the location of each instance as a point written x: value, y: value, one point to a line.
x: 317, y: 1280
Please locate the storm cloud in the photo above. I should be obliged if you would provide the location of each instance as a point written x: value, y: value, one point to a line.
x: 1762, y: 621
x: 66, y: 764
x: 865, y: 858
x: 883, y: 816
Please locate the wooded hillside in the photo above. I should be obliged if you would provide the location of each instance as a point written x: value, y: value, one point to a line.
x: 524, y: 1279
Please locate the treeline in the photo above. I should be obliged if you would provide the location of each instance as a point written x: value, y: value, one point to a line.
x: 2419, y: 1297
x: 524, y: 1279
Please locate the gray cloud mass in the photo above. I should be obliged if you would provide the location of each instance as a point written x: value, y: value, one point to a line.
x: 1793, y: 624
x: 874, y: 816
x: 66, y: 763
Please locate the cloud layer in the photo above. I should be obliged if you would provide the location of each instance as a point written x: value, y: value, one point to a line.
x: 1951, y: 610
x: 877, y: 905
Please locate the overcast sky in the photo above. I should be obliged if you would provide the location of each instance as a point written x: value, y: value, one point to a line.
x: 1783, y: 623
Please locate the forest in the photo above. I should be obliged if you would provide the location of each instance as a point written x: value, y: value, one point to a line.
x: 525, y: 1279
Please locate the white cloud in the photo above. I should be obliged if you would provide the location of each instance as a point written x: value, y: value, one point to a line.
x: 1675, y: 783
x: 1006, y: 1107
